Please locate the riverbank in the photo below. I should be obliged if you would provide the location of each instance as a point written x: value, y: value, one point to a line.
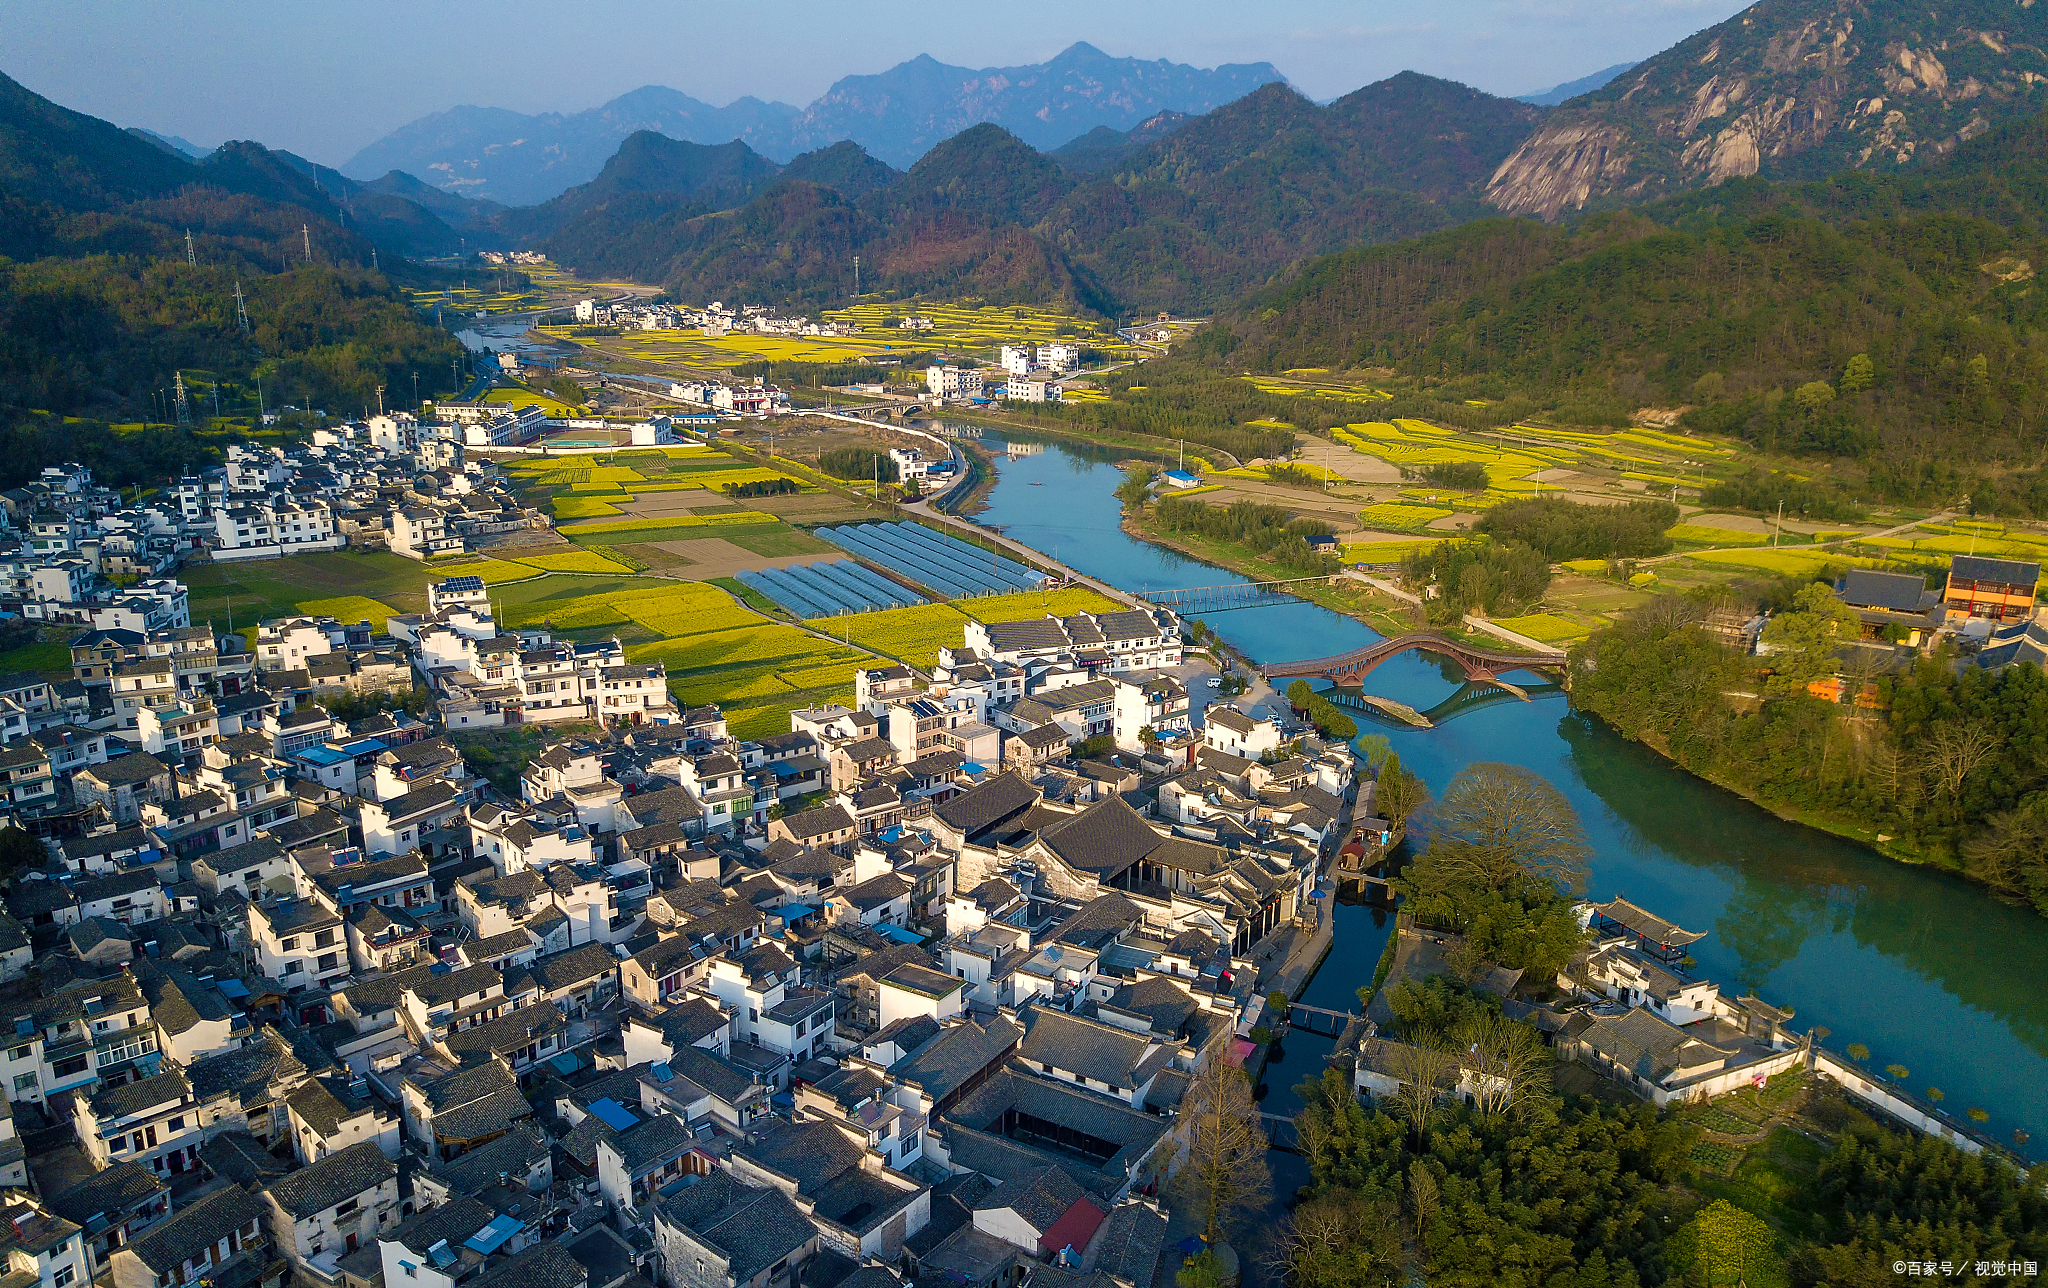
x: 1931, y: 974
x: 1804, y: 816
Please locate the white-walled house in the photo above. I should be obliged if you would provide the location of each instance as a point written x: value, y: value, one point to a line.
x: 327, y: 1209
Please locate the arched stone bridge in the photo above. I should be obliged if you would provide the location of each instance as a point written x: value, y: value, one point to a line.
x: 1482, y: 665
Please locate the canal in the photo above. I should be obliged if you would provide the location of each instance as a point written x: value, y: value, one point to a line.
x: 1927, y: 970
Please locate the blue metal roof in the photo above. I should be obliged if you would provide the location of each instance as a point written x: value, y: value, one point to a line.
x: 792, y: 911
x: 493, y: 1236
x: 613, y: 1114
x: 322, y: 755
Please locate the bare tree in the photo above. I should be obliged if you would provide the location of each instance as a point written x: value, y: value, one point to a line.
x: 1425, y: 1072
x: 1225, y: 1170
x: 1951, y: 749
x: 1506, y: 1059
x: 1341, y: 1240
x: 2011, y: 853
x: 1497, y: 822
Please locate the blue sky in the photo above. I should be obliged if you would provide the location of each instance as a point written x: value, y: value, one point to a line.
x: 324, y: 79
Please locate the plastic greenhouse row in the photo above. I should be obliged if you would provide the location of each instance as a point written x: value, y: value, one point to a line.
x: 943, y: 563
x: 826, y: 589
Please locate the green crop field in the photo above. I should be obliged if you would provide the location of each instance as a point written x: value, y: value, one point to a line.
x: 44, y: 659
x: 1802, y: 562
x: 492, y: 571
x: 584, y: 507
x: 1545, y: 628
x: 1706, y: 536
x: 349, y: 608
x: 571, y: 561
x: 276, y: 587
x: 1391, y: 517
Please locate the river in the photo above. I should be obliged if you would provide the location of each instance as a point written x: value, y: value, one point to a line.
x: 1927, y: 970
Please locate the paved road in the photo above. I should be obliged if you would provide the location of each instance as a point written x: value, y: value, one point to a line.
x: 1943, y: 517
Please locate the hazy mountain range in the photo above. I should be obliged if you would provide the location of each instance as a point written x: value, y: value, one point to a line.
x: 897, y: 116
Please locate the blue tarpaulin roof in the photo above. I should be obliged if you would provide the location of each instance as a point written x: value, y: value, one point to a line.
x: 493, y: 1236
x: 613, y: 1114
x: 567, y: 1063
x: 897, y: 933
x: 792, y: 911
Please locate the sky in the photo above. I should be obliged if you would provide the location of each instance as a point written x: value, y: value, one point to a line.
x: 326, y: 79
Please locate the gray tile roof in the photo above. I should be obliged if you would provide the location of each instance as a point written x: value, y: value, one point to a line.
x: 558, y: 971
x: 334, y: 1179
x: 545, y: 1265
x: 247, y: 1072
x: 652, y: 1141
x: 190, y: 1231
x: 886, y: 888
x: 1132, y: 1238
x: 118, y: 1188
x: 753, y: 1226
x: 1090, y: 1048
x: 133, y: 1098
x: 324, y: 1104
x: 809, y: 1153
x: 1039, y: 1204
x: 1105, y: 838
x: 822, y: 821
x: 994, y: 802
x: 514, y: 1153
x: 713, y: 1072
x: 959, y: 1055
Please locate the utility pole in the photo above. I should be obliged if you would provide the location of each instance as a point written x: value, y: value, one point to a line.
x: 1780, y: 525
x: 415, y: 388
x: 260, y: 413
x: 373, y: 259
x: 306, y: 236
x: 856, y: 277
x: 189, y: 259
x: 241, y: 312
x: 380, y: 400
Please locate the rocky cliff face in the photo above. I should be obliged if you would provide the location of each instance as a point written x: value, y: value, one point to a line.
x: 1787, y: 89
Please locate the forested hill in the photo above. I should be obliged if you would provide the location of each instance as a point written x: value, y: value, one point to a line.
x: 1747, y: 301
x: 1181, y: 218
x: 57, y: 165
x: 100, y: 310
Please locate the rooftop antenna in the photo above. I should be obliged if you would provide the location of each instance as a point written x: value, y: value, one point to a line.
x: 184, y: 412
x: 189, y: 259
x: 241, y: 312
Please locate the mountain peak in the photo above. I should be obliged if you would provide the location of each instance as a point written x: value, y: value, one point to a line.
x: 1787, y: 89
x: 897, y: 115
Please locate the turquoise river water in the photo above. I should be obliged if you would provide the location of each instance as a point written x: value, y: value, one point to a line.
x: 1927, y: 970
